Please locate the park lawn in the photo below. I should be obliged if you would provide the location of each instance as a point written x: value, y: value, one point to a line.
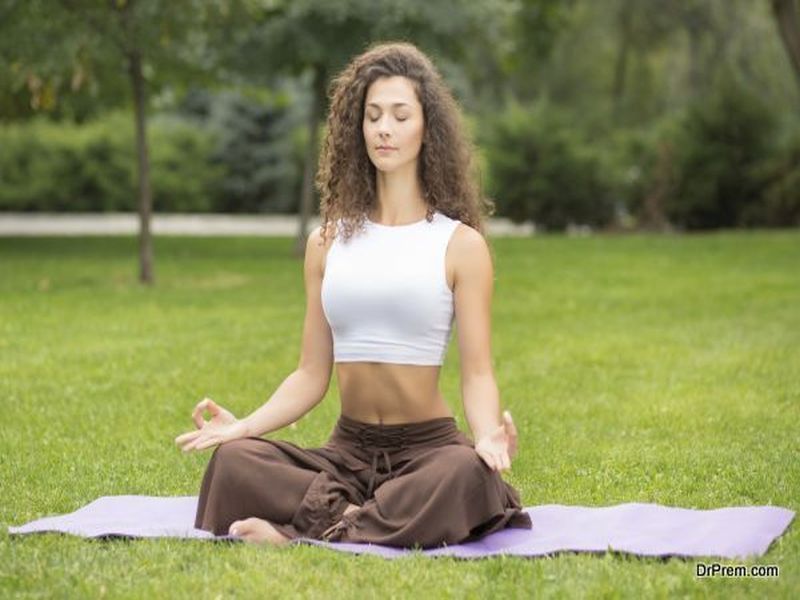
x: 638, y: 369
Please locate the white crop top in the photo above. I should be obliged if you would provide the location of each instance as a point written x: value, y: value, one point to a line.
x: 385, y: 293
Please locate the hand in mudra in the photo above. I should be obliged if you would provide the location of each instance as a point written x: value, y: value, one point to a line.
x: 498, y: 447
x: 222, y: 427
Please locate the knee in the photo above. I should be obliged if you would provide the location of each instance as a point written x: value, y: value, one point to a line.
x: 232, y: 459
x: 233, y: 450
x: 462, y: 462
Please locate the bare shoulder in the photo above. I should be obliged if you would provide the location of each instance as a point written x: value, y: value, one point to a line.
x: 466, y: 237
x: 317, y: 248
x: 466, y: 252
x: 467, y: 245
x: 316, y: 236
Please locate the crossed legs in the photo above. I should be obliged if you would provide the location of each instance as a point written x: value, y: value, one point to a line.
x: 267, y: 491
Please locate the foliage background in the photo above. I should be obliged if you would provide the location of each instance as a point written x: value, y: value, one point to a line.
x: 614, y: 114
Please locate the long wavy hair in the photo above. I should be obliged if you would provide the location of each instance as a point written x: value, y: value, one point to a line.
x: 346, y: 177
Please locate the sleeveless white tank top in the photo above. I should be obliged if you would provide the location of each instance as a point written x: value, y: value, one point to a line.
x: 385, y: 293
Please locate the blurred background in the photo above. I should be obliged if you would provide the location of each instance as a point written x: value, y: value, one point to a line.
x: 610, y: 114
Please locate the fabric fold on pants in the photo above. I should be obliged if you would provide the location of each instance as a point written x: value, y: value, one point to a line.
x: 324, y: 502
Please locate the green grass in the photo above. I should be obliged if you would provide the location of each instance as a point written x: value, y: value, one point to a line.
x: 641, y: 368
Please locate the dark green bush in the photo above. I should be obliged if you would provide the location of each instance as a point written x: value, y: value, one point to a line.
x: 642, y: 169
x: 718, y: 149
x: 722, y: 162
x: 780, y: 171
x: 254, y: 146
x: 541, y: 169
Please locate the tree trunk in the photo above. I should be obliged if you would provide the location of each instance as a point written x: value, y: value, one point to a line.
x: 695, y: 34
x: 621, y: 67
x: 786, y: 16
x: 145, y: 200
x: 653, y: 216
x: 309, y: 168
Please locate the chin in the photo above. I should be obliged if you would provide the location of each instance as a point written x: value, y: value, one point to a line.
x: 383, y: 165
x: 387, y: 166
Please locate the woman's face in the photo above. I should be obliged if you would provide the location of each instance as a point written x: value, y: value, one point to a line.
x: 393, y: 123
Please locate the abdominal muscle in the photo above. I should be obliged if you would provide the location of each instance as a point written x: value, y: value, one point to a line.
x: 389, y: 394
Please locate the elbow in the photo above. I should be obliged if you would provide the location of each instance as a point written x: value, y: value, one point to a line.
x: 482, y: 373
x: 318, y: 380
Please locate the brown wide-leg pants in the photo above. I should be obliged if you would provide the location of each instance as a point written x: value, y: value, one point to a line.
x: 418, y: 485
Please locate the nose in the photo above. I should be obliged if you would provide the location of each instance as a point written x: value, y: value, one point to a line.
x: 383, y: 126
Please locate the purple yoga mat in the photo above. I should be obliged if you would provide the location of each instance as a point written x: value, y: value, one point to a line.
x: 643, y: 529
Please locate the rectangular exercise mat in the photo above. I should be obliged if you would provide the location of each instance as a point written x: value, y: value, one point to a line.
x: 635, y: 528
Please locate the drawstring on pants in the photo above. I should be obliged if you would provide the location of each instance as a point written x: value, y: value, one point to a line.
x: 378, y: 443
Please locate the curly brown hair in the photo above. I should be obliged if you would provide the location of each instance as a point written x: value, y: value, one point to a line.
x: 346, y: 176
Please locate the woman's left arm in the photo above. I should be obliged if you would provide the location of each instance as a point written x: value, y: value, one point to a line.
x: 495, y: 438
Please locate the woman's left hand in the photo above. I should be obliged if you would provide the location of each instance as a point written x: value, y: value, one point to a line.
x: 498, y: 447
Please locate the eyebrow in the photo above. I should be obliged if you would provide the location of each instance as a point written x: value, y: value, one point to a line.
x: 395, y: 104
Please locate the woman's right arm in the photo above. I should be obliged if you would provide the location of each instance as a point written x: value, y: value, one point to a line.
x: 304, y: 388
x: 301, y: 391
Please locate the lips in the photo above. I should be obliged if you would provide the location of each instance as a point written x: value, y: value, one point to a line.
x: 386, y: 148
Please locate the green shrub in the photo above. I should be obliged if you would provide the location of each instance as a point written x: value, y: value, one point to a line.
x: 642, y: 169
x: 780, y: 170
x: 185, y: 179
x: 718, y: 149
x: 542, y: 169
x: 38, y: 166
x: 46, y: 166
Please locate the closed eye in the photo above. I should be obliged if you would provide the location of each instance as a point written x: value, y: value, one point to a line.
x: 398, y: 118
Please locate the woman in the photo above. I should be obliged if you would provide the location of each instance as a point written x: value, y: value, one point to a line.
x: 400, y: 254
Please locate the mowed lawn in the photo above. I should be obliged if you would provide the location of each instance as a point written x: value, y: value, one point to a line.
x: 638, y: 369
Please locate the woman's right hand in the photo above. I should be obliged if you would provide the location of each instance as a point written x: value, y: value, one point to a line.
x: 222, y: 427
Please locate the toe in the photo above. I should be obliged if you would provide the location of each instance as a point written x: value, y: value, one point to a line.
x: 234, y: 529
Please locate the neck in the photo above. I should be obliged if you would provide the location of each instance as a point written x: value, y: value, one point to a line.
x: 399, y: 196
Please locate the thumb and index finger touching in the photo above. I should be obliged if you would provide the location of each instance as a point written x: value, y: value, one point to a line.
x: 187, y: 439
x: 205, y: 404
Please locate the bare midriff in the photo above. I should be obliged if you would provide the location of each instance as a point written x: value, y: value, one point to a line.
x: 389, y: 393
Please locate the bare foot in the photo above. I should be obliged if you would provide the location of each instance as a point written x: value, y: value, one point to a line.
x: 257, y: 531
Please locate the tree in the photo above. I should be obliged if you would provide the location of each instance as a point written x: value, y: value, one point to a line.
x: 788, y: 21
x: 146, y: 42
x: 532, y: 26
